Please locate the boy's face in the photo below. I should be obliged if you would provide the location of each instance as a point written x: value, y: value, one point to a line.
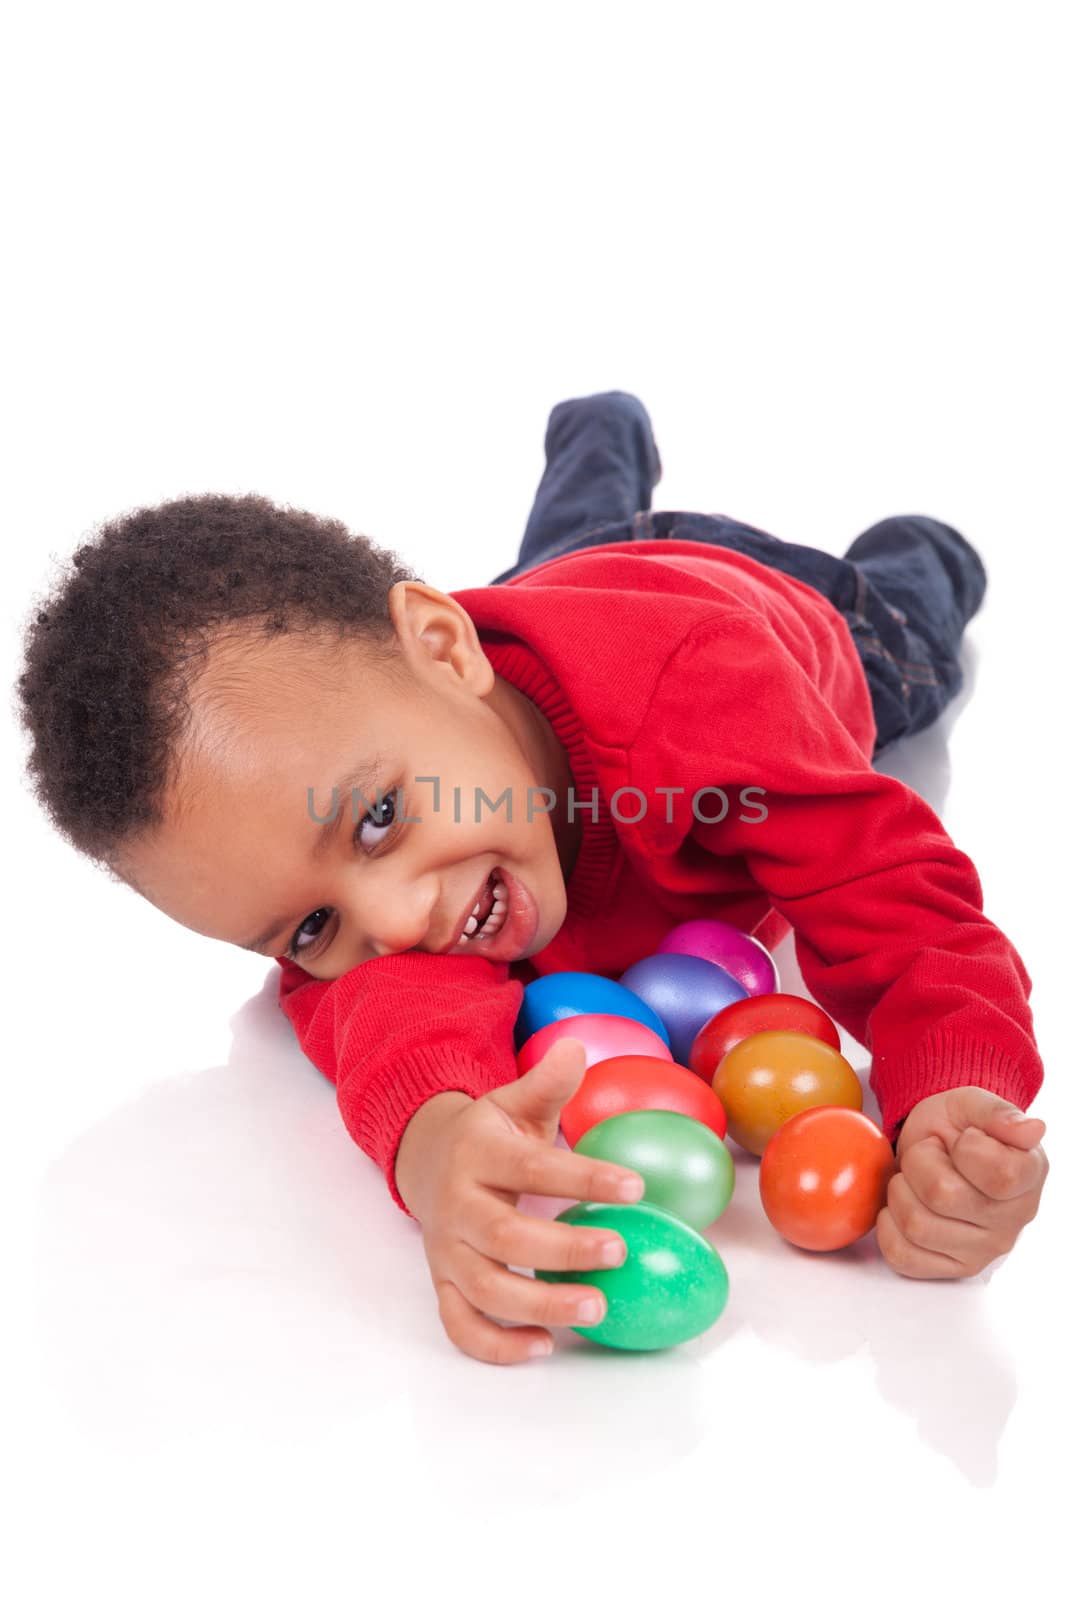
x: 236, y: 857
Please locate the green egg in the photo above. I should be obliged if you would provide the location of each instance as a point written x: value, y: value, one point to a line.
x: 671, y: 1287
x: 686, y: 1167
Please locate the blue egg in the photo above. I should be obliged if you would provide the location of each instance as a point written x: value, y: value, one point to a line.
x: 686, y: 991
x: 580, y: 994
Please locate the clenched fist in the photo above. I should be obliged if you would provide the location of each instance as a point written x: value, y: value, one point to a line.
x: 971, y: 1171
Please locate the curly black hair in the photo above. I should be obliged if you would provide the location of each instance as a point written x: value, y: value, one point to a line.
x: 111, y: 652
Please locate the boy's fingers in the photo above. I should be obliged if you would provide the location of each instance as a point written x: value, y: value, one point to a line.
x: 932, y: 1175
x: 549, y: 1083
x: 998, y: 1170
x: 529, y: 1301
x: 1022, y: 1131
x: 933, y: 1231
x: 526, y: 1167
x: 912, y: 1260
x: 496, y: 1230
x: 476, y: 1336
x: 534, y: 1101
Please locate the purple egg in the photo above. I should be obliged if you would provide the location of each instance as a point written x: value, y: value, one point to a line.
x: 684, y: 992
x: 739, y: 954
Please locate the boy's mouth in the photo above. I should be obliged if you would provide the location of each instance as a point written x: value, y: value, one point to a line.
x: 500, y: 921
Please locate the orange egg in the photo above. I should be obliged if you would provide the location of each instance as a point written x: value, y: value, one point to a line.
x: 770, y: 1076
x: 824, y: 1176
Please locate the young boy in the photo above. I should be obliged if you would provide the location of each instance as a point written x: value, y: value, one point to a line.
x: 649, y: 718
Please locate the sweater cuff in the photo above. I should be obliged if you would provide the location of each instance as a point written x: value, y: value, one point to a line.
x: 899, y: 1082
x: 385, y: 1108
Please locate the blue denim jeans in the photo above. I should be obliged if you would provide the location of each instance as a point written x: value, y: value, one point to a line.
x: 906, y: 587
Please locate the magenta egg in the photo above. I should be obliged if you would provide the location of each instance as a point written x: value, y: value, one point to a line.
x: 739, y: 954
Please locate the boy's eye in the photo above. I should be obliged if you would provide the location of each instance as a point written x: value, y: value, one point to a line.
x: 386, y: 816
x: 385, y: 819
x: 295, y: 947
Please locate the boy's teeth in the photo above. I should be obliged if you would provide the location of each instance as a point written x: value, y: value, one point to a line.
x: 493, y: 921
x: 497, y: 916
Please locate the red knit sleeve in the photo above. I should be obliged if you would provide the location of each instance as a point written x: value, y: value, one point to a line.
x: 396, y: 1030
x: 891, y: 938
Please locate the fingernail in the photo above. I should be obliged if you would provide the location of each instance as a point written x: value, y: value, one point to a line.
x: 631, y: 1188
x: 613, y: 1255
x: 589, y: 1311
x: 543, y: 1347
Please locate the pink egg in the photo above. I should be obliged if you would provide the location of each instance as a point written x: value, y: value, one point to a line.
x: 739, y: 954
x: 602, y: 1034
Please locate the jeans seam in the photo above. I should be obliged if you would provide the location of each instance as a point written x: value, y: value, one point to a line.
x: 912, y: 671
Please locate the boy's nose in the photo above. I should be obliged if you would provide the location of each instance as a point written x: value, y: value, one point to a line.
x: 401, y: 922
x: 401, y: 934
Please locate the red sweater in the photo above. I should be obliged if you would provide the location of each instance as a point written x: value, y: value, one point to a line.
x: 686, y: 665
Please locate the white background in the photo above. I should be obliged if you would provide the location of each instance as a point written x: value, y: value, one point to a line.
x: 350, y: 256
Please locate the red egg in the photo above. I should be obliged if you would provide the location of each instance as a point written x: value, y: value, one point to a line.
x: 602, y: 1035
x: 824, y: 1175
x: 788, y: 1012
x: 639, y: 1083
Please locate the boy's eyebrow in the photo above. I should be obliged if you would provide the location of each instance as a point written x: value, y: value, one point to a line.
x: 365, y: 777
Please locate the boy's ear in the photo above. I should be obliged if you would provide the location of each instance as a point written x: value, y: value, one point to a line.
x: 435, y: 631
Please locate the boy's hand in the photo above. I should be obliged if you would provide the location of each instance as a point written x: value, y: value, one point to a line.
x: 463, y: 1186
x: 971, y: 1170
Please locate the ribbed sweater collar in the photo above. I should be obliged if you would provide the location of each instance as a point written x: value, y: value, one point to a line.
x: 525, y: 671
